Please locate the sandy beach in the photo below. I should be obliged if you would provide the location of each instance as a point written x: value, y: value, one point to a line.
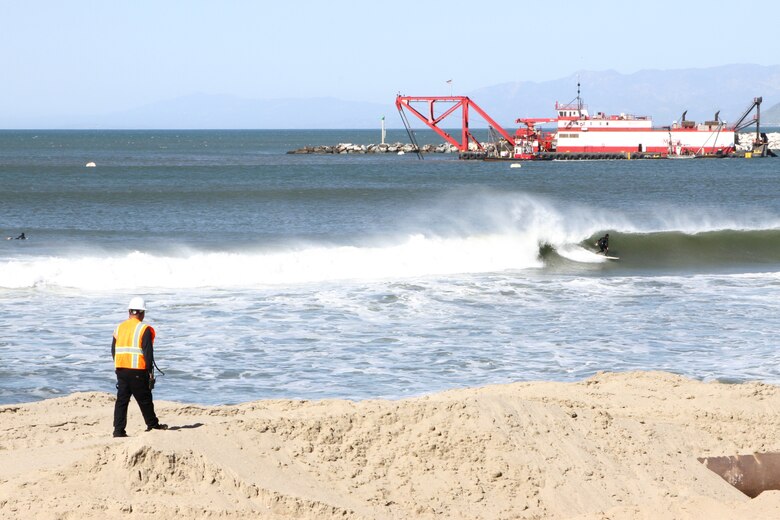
x: 617, y: 445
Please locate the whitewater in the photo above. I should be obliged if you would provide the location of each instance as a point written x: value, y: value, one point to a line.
x: 276, y: 276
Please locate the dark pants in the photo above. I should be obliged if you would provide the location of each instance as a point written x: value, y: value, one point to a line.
x: 135, y: 383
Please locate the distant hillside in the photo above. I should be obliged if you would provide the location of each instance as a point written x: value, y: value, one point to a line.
x: 230, y: 112
x: 771, y: 116
x: 662, y: 94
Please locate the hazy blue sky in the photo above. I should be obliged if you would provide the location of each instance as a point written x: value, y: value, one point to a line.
x: 81, y: 57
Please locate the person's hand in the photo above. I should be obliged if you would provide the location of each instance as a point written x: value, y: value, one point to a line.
x: 152, y: 380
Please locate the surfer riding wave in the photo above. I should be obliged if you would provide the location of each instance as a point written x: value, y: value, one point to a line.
x: 603, y: 244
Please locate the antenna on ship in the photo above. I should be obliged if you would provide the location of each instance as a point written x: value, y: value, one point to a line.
x: 579, y: 99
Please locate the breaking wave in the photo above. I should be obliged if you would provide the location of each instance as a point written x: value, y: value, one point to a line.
x: 418, y: 256
x: 675, y: 252
x: 486, y: 234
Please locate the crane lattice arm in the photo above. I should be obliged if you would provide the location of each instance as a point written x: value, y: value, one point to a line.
x: 742, y: 122
x: 433, y: 121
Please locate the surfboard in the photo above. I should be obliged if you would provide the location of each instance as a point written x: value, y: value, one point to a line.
x: 606, y: 256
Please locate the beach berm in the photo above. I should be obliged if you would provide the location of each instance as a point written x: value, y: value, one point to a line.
x: 614, y: 446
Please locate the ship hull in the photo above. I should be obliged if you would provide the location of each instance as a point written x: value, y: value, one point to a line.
x: 579, y: 132
x: 654, y: 141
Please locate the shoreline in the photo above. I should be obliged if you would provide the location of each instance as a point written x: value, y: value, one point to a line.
x: 615, y: 445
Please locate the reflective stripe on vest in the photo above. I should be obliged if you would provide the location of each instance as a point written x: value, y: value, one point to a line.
x: 127, y: 350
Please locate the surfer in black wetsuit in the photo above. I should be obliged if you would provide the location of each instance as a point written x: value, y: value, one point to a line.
x: 21, y: 237
x: 603, y: 244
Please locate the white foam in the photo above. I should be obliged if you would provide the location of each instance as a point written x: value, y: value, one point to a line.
x: 417, y: 256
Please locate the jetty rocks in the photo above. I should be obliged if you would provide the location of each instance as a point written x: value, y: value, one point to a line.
x: 746, y: 140
x: 350, y: 148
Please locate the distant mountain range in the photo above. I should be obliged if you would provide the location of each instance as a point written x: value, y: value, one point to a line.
x: 662, y: 94
x: 206, y: 111
x: 771, y: 117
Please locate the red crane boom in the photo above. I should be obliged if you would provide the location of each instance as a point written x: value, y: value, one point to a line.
x: 458, y: 102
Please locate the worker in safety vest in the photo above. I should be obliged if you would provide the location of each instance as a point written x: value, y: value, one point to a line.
x: 133, y: 353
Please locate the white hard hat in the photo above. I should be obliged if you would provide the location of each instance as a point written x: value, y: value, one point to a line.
x: 136, y: 304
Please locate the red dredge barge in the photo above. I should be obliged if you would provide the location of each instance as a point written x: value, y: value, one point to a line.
x: 578, y: 134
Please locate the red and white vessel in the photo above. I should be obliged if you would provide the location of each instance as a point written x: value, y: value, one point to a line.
x: 579, y: 132
x: 580, y: 135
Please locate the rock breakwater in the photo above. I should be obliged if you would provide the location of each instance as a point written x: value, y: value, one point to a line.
x: 746, y: 140
x: 350, y: 148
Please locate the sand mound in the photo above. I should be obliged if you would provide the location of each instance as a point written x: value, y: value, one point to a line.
x: 614, y: 446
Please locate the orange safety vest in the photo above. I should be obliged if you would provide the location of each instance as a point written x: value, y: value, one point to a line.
x: 127, y: 348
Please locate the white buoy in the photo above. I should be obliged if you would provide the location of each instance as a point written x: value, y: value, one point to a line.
x: 515, y: 165
x: 90, y: 164
x: 401, y: 152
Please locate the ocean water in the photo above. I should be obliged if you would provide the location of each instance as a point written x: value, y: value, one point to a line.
x: 270, y: 275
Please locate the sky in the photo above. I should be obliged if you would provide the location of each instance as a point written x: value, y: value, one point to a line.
x: 99, y: 57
